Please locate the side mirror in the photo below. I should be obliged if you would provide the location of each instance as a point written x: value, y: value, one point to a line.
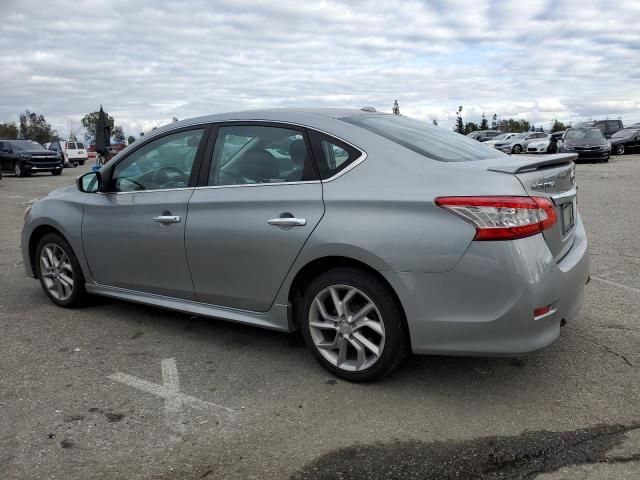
x: 89, y: 182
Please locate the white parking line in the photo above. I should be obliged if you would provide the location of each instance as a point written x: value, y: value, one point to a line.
x: 170, y: 392
x: 616, y: 284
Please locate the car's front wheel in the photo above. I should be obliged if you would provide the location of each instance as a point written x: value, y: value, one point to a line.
x: 353, y: 325
x: 620, y: 149
x: 18, y: 170
x: 56, y: 172
x: 517, y: 149
x: 59, y: 271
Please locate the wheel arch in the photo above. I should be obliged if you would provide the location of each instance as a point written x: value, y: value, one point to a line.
x: 37, y: 234
x: 319, y: 265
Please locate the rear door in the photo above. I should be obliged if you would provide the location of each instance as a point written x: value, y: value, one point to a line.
x: 259, y: 200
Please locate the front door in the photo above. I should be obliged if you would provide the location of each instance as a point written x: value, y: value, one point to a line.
x: 133, y: 234
x: 246, y: 227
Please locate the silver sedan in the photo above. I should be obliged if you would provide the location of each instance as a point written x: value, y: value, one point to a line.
x: 374, y: 234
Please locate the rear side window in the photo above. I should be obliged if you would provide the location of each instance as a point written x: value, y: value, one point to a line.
x: 71, y: 145
x: 332, y: 155
x: 433, y: 142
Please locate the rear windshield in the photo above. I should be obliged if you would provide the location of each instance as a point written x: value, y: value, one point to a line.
x: 79, y: 146
x: 71, y: 145
x: 429, y: 140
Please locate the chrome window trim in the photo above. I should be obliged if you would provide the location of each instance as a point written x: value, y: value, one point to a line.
x: 147, y: 191
x: 351, y: 166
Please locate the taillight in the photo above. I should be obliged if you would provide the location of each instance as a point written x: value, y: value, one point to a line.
x: 502, y: 218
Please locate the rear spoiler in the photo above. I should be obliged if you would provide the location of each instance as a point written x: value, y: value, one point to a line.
x: 528, y: 163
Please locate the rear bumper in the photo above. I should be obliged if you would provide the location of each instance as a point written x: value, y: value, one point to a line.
x: 484, y: 306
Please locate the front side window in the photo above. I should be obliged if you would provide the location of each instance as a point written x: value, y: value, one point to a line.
x: 425, y: 139
x: 251, y: 154
x: 158, y: 165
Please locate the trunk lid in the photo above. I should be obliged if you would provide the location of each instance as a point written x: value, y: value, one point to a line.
x: 553, y: 177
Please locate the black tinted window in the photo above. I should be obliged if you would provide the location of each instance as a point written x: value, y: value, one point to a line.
x: 250, y: 154
x: 332, y: 155
x: 434, y: 142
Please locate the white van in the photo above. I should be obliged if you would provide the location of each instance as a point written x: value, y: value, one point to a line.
x: 74, y: 152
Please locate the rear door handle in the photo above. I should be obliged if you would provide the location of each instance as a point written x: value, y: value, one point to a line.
x: 167, y: 219
x: 288, y: 222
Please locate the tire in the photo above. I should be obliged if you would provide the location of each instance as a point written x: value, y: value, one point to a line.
x: 81, y: 162
x: 385, y: 329
x: 56, y: 172
x: 516, y: 149
x: 55, y: 280
x: 620, y: 149
x: 18, y: 170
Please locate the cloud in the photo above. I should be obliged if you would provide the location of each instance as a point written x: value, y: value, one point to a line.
x: 146, y: 62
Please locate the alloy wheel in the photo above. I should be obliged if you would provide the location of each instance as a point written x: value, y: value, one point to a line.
x: 620, y: 149
x: 56, y: 272
x: 346, y: 327
x: 17, y: 169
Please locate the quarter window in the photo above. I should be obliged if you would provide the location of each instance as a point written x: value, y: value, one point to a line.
x: 251, y: 154
x: 332, y: 155
x: 158, y: 165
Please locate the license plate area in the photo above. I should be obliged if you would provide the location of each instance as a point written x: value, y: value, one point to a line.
x: 568, y: 217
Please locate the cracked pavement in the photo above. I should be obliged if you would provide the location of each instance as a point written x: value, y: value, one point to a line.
x: 568, y: 412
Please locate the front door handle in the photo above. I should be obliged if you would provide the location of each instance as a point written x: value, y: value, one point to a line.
x: 167, y: 219
x: 288, y: 222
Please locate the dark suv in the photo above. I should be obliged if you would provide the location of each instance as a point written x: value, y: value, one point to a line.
x: 24, y: 157
x: 588, y: 143
x: 608, y: 127
x: 484, y: 135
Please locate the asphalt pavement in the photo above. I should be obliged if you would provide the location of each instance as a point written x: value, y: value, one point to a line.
x: 118, y: 390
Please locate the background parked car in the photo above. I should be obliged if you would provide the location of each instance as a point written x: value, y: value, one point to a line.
x: 24, y: 157
x: 519, y: 142
x: 626, y: 140
x: 74, y: 153
x: 499, y: 138
x: 588, y: 143
x: 484, y: 135
x: 608, y: 127
x: 540, y: 146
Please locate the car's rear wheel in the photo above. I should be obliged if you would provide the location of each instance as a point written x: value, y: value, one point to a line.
x: 81, y: 162
x: 353, y: 325
x: 56, y: 172
x: 59, y: 271
x: 620, y: 149
x: 517, y: 149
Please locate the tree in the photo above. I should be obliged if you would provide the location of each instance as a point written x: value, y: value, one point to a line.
x: 484, y: 124
x: 74, y: 130
x: 90, y: 122
x: 435, y: 122
x: 174, y: 119
x: 396, y: 108
x: 35, y: 127
x: 494, y: 122
x: 459, y: 124
x: 8, y: 131
x: 141, y: 134
x: 118, y: 134
x: 470, y: 127
x: 557, y: 126
x: 131, y: 139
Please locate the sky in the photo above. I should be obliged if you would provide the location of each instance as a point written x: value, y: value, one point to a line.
x: 147, y: 61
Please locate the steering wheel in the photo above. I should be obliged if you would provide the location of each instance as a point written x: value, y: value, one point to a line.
x: 156, y: 179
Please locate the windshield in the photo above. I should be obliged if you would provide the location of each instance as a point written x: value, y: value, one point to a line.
x: 25, y: 145
x: 502, y: 136
x: 79, y: 145
x: 429, y: 140
x: 520, y: 135
x: 584, y: 134
x: 624, y: 133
